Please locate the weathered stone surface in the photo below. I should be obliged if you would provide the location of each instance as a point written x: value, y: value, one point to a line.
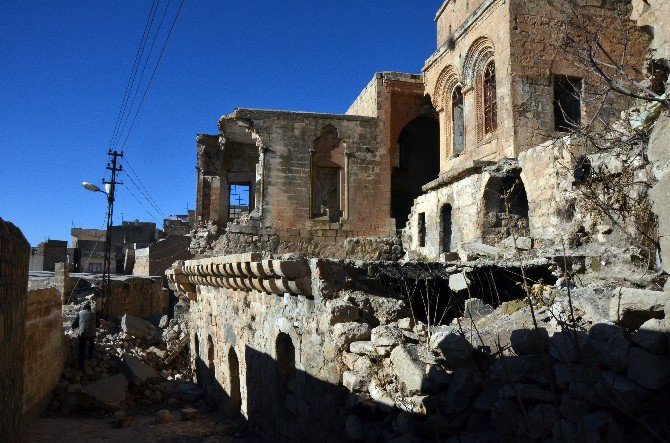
x: 630, y: 307
x: 108, y: 393
x: 163, y: 322
x: 648, y: 370
x: 349, y: 358
x: 607, y: 345
x: 455, y: 349
x: 341, y: 311
x: 542, y: 419
x: 138, y: 328
x: 386, y: 335
x: 653, y: 336
x: 355, y: 427
x: 379, y: 395
x: 137, y: 372
x: 564, y: 345
x: 459, y: 282
x: 362, y: 347
x: 616, y: 389
x: 387, y: 310
x: 346, y: 333
x: 408, y: 366
x: 188, y: 414
x: 530, y: 341
x: 406, y: 324
x: 163, y: 416
x: 354, y: 381
x: 475, y: 309
x: 462, y: 391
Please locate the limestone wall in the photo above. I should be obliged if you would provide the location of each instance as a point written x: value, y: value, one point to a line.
x: 140, y: 297
x: 235, y: 326
x: 44, y: 350
x: 14, y: 257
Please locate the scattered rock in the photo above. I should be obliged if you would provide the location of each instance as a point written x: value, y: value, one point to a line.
x: 386, y: 335
x: 653, y: 336
x: 648, y: 370
x: 631, y: 307
x: 475, y: 309
x: 607, y: 345
x: 406, y: 324
x: 108, y: 393
x: 138, y: 328
x: 408, y: 365
x: 341, y: 311
x: 530, y: 341
x: 459, y: 282
x: 346, y: 333
x: 454, y: 348
x: 163, y: 322
x: 163, y: 416
x: 362, y: 348
x: 137, y: 372
x: 188, y: 414
x: 354, y: 381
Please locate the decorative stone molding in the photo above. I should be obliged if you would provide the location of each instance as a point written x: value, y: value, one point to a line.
x: 242, y: 272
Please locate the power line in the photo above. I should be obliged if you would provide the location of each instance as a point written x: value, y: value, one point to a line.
x: 153, y: 74
x: 144, y: 68
x: 158, y: 211
x: 133, y: 72
x: 147, y: 193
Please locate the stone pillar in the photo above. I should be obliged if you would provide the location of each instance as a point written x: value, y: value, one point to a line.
x: 63, y: 282
x: 14, y: 257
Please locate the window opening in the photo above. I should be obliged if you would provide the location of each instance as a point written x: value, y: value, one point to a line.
x: 422, y: 229
x: 567, y: 102
x: 490, y: 99
x: 458, y: 122
x: 240, y: 196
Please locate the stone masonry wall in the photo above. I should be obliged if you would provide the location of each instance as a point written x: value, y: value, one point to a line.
x: 14, y: 257
x: 249, y: 324
x: 44, y: 351
x: 140, y: 297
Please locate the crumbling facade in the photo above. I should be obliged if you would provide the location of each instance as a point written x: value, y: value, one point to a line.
x: 305, y: 324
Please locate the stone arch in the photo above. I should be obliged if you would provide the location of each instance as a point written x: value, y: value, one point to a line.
x: 285, y: 370
x: 504, y: 208
x: 478, y: 56
x: 234, y: 392
x: 447, y: 83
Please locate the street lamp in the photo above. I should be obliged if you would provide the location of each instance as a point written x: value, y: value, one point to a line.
x: 109, y: 192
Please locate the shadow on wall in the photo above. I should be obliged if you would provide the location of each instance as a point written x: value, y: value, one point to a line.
x: 600, y: 385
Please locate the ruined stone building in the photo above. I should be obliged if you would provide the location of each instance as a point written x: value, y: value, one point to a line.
x: 472, y: 158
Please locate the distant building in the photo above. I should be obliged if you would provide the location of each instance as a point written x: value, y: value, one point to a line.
x: 45, y: 256
x: 179, y: 224
x: 157, y: 257
x: 89, y: 249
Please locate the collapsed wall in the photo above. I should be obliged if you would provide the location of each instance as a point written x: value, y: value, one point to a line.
x: 317, y: 349
x: 14, y: 257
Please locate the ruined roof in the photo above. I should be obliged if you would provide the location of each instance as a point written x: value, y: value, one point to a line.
x: 251, y: 113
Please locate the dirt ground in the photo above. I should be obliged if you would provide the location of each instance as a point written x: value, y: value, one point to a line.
x: 206, y: 428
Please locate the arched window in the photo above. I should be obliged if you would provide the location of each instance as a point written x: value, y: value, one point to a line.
x: 458, y: 123
x: 490, y: 99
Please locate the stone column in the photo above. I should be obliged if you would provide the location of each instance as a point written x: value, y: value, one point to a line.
x: 14, y: 256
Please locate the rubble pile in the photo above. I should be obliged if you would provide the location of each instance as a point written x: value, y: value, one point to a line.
x: 135, y: 365
x: 589, y: 363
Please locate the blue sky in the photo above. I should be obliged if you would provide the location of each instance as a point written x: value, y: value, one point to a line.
x: 65, y: 66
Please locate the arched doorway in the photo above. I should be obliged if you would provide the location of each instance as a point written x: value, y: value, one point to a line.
x: 209, y: 381
x: 418, y: 163
x: 285, y: 370
x: 505, y: 208
x: 235, y: 397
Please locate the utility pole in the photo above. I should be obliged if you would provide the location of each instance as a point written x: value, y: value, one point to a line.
x: 110, y: 187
